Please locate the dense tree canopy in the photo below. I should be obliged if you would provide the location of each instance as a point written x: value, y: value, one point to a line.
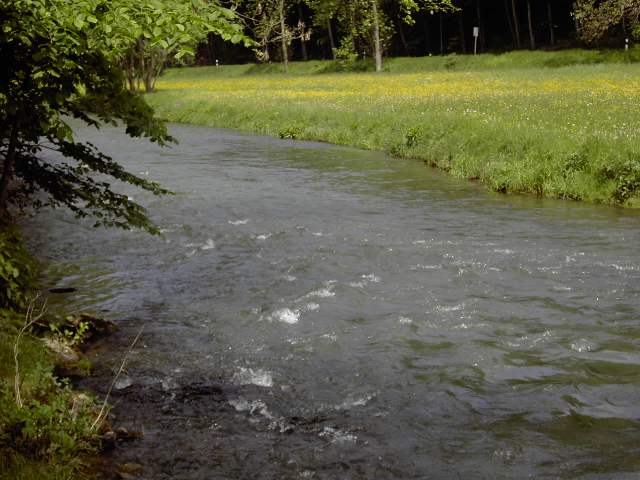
x: 60, y: 59
x: 416, y: 28
x: 597, y: 19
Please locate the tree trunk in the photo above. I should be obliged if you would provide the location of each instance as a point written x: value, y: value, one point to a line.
x: 463, y: 43
x: 510, y: 22
x: 441, y: 36
x: 482, y: 37
x: 130, y: 75
x: 332, y: 43
x: 148, y: 75
x: 303, y: 42
x: 283, y: 34
x: 516, y: 24
x: 376, y: 37
x: 7, y: 172
x: 552, y: 35
x: 532, y: 38
x: 403, y: 39
x: 427, y: 40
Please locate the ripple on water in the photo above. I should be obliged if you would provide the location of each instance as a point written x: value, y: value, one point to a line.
x: 355, y: 401
x: 209, y: 245
x: 335, y: 435
x: 322, y: 293
x: 311, y: 307
x: 238, y: 222
x: 286, y: 315
x: 249, y: 376
x: 583, y: 345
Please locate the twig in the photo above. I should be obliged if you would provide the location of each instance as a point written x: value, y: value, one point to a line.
x: 29, y: 320
x: 102, y: 414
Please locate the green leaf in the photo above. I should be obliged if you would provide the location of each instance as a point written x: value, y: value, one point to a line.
x: 79, y: 20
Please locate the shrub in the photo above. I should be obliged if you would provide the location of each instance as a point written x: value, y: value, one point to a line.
x: 17, y: 270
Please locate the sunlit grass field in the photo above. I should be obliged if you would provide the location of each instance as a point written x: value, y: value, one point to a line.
x: 567, y: 132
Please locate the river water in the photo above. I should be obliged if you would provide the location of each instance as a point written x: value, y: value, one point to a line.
x: 321, y: 312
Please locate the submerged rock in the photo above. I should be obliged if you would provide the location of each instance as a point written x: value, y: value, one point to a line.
x: 62, y: 290
x: 129, y: 470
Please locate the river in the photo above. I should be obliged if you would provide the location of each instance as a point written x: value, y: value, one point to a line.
x: 318, y: 312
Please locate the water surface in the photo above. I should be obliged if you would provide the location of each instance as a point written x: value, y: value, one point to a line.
x: 328, y: 313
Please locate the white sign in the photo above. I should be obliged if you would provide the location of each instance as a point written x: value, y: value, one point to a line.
x: 476, y: 32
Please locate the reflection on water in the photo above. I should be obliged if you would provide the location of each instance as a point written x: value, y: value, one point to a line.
x: 319, y: 312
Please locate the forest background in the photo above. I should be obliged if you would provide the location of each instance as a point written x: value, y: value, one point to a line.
x: 344, y: 30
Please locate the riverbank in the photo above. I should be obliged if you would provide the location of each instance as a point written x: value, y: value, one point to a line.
x: 48, y: 430
x: 553, y: 124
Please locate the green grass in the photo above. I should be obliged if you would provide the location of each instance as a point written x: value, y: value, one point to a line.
x: 49, y: 435
x: 503, y: 61
x: 519, y: 122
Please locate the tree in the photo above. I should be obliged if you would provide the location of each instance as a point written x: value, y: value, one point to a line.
x: 163, y: 30
x: 516, y: 22
x: 267, y: 20
x: 368, y: 25
x: 595, y: 19
x: 59, y: 60
x: 324, y: 12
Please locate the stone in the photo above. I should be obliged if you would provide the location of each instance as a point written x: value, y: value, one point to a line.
x: 132, y: 469
x: 65, y: 353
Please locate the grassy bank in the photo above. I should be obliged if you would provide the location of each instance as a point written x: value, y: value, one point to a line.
x: 555, y: 124
x: 45, y: 427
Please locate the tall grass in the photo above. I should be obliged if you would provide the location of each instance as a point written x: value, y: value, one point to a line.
x: 519, y: 122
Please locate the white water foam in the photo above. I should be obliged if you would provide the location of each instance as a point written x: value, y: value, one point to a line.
x: 256, y: 407
x: 449, y: 308
x: 238, y: 222
x: 582, y: 345
x: 351, y: 402
x: 322, y: 293
x: 337, y: 436
x: 209, y: 245
x: 286, y: 315
x: 371, y: 278
x: 420, y: 266
x: 249, y: 376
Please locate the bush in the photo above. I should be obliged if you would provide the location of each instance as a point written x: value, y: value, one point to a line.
x: 17, y: 270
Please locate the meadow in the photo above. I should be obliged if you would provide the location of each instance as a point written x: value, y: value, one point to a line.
x: 563, y: 125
